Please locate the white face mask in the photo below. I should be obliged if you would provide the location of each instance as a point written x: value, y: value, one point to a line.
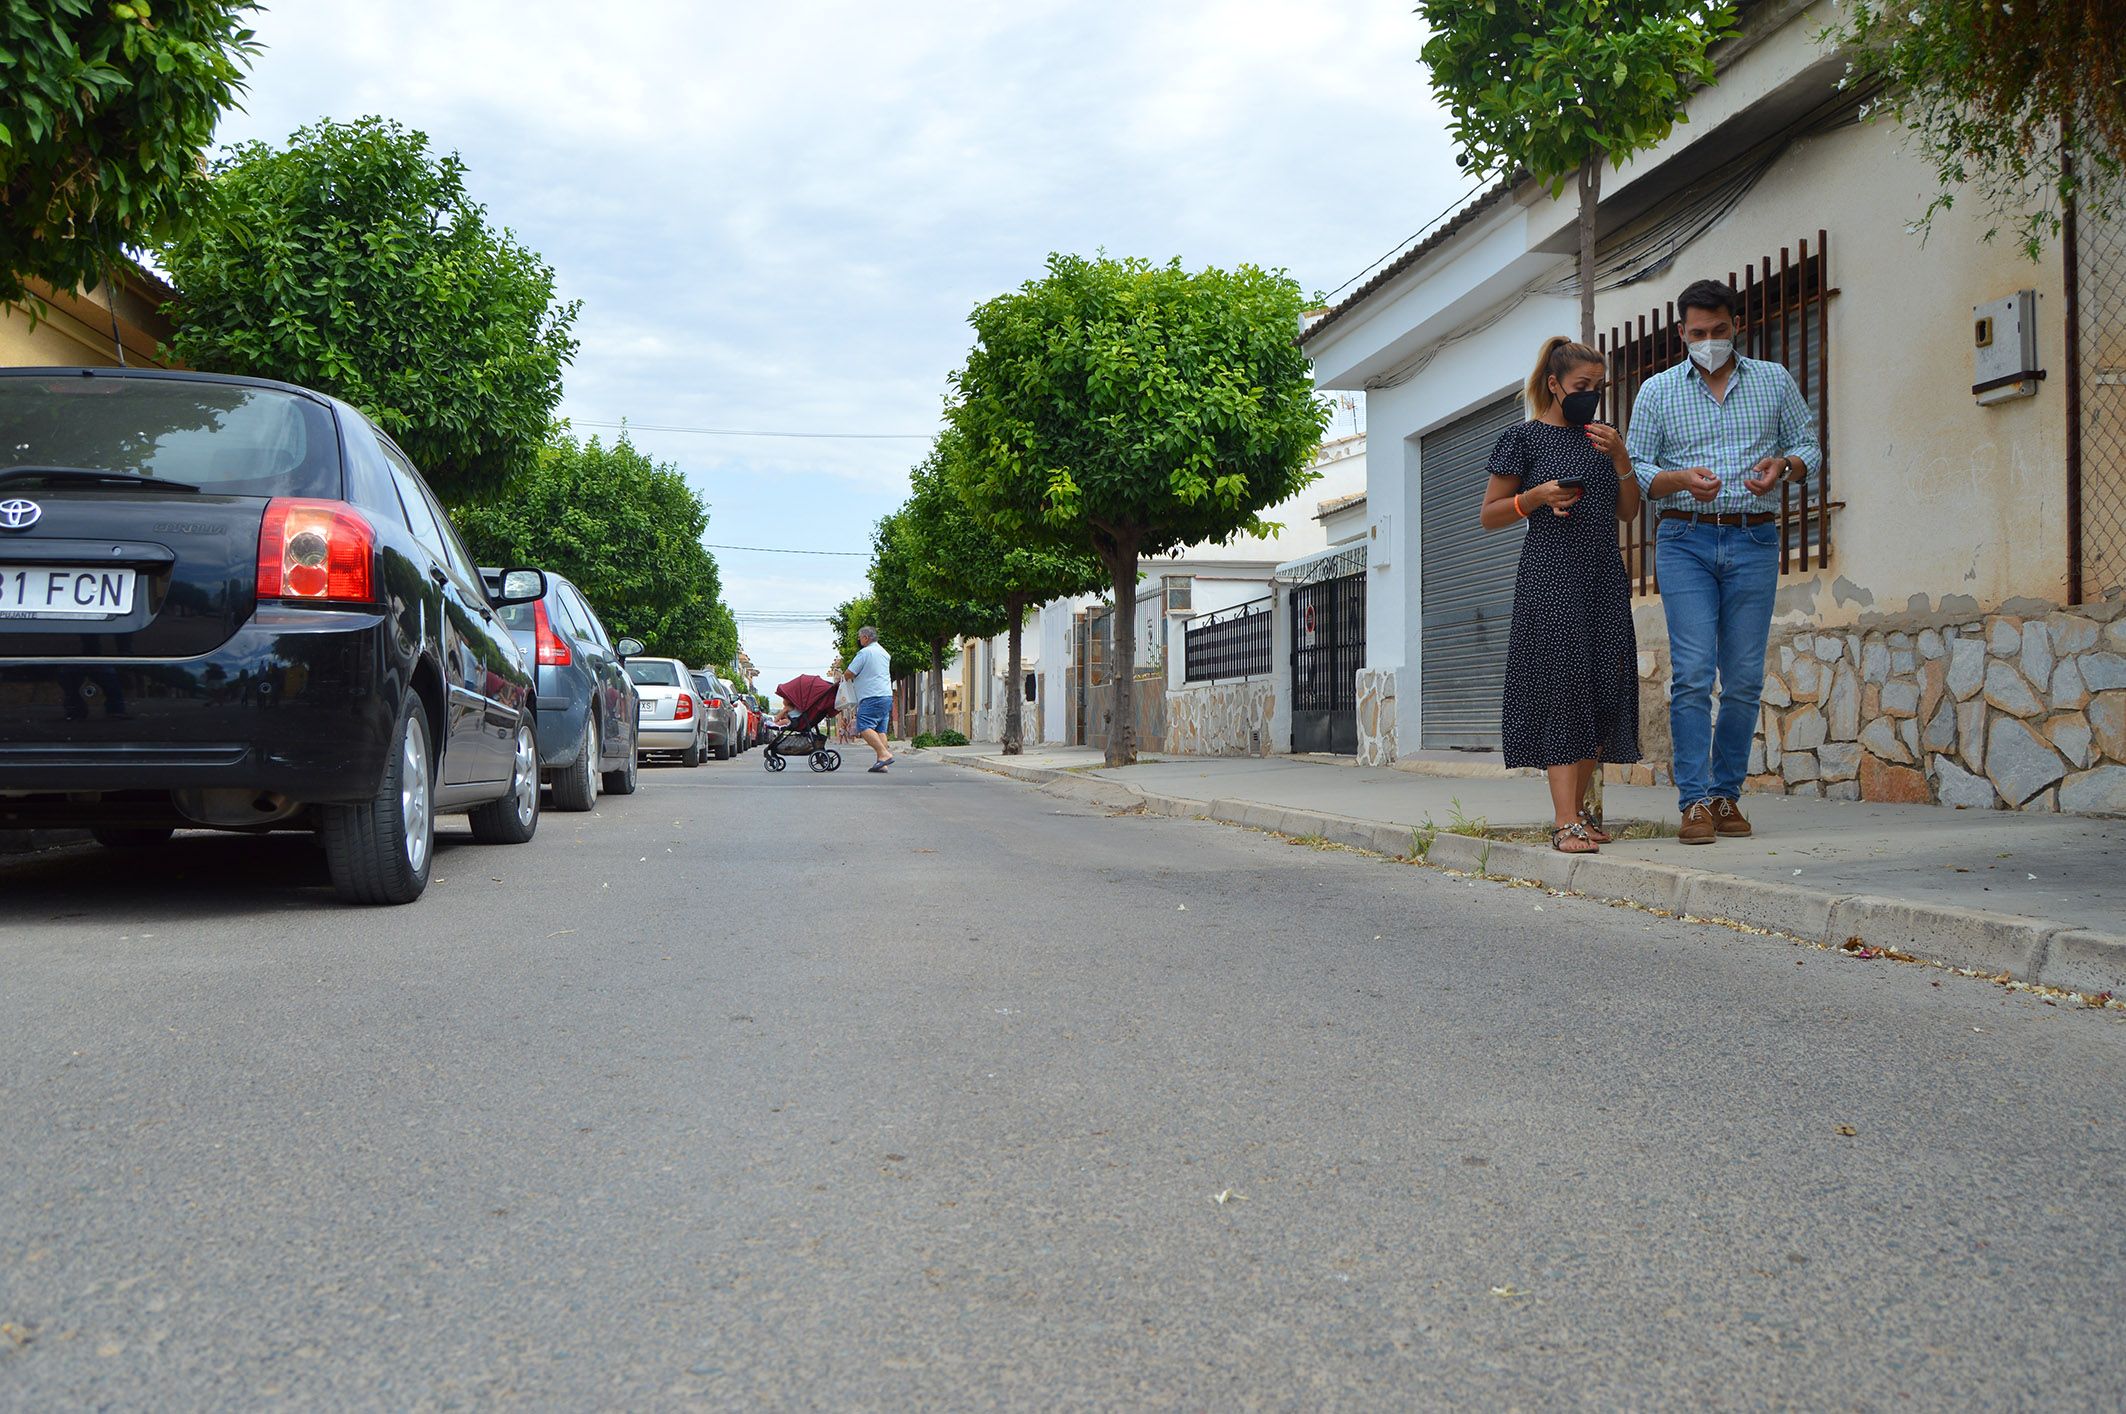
x: 1712, y: 354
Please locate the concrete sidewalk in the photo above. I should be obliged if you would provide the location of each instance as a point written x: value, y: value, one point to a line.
x: 2039, y: 897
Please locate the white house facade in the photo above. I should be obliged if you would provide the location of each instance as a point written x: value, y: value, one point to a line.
x: 1943, y: 630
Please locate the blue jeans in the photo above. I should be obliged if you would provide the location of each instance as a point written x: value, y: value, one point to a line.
x: 1717, y: 586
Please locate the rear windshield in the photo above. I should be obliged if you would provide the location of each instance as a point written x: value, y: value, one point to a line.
x: 653, y: 674
x: 225, y: 438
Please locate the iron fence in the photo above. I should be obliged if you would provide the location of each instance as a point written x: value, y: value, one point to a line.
x: 1785, y: 314
x: 1231, y: 643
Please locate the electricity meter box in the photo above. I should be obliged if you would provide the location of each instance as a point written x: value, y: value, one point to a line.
x: 2004, y: 352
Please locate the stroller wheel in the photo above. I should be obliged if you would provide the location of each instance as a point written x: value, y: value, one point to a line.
x: 818, y: 761
x: 773, y: 762
x: 834, y: 760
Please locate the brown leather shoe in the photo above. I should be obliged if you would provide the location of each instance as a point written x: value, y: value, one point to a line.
x: 1699, y: 824
x: 1731, y: 824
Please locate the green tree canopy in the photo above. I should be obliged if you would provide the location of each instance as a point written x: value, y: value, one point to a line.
x: 1558, y: 88
x: 1013, y: 572
x: 2023, y: 105
x: 353, y: 261
x: 910, y: 616
x: 106, y: 111
x: 625, y: 530
x: 1131, y: 409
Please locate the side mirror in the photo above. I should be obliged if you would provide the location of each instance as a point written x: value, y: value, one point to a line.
x: 628, y: 647
x: 520, y: 586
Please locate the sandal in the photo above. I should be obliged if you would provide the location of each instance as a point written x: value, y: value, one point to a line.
x: 1593, y: 827
x: 1577, y: 832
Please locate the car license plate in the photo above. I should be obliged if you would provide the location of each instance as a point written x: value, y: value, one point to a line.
x: 62, y: 592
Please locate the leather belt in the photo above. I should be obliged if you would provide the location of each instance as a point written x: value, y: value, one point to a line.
x: 1724, y: 518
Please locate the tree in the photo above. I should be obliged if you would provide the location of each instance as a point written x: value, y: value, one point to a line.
x: 949, y: 557
x: 106, y: 112
x: 1560, y: 88
x: 625, y: 530
x: 2025, y: 103
x: 1012, y: 572
x: 1131, y: 409
x: 910, y: 610
x: 354, y: 262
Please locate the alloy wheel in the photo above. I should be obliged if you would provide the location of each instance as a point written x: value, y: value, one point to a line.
x: 416, y: 806
x: 527, y: 777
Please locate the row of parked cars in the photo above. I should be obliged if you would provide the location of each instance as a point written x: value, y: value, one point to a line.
x: 231, y: 603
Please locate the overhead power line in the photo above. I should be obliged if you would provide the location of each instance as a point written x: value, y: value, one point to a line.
x: 780, y: 550
x: 1400, y: 246
x: 761, y: 432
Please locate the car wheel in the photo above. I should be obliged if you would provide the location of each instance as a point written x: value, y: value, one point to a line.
x: 577, y: 787
x: 515, y: 817
x: 119, y: 837
x: 622, y: 781
x: 692, y: 755
x: 381, y: 850
x: 723, y: 753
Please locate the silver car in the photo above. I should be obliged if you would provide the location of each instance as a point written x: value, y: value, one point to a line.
x: 674, y: 719
x: 724, y: 713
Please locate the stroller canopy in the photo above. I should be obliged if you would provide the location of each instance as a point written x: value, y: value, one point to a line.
x: 810, y: 697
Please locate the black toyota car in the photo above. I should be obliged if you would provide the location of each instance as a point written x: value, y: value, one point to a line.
x: 232, y: 603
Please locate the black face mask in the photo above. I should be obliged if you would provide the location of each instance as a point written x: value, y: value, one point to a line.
x: 1580, y: 408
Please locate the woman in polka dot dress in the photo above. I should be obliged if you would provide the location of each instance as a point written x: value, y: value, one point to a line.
x: 1572, y: 687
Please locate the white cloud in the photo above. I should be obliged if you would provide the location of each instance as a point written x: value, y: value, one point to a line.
x: 780, y: 216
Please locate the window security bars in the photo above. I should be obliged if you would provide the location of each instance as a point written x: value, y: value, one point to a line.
x: 1785, y: 309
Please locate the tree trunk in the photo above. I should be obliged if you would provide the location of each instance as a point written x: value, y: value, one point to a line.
x: 937, y: 685
x: 1590, y: 198
x: 1122, y: 671
x: 1014, y: 693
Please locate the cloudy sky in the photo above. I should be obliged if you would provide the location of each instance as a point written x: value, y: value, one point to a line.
x: 778, y: 216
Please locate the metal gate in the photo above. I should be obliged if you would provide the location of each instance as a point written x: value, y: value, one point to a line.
x: 1328, y: 649
x: 1465, y: 577
x: 2096, y: 547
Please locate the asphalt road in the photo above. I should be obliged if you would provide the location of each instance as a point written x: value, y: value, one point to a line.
x: 856, y: 1092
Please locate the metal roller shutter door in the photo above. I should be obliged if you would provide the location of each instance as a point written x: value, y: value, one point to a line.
x: 1465, y: 574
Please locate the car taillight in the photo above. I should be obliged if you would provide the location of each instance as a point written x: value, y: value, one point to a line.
x: 316, y: 552
x: 685, y: 707
x: 553, y: 649
x: 715, y: 703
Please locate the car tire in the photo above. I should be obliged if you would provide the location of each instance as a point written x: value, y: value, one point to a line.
x: 577, y: 787
x: 127, y: 837
x: 723, y: 753
x: 513, y: 819
x: 383, y: 849
x: 622, y: 781
x: 692, y: 755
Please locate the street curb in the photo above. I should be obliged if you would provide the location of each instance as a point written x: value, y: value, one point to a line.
x: 16, y: 843
x: 2045, y: 951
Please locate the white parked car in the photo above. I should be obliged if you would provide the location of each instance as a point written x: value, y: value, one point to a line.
x: 674, y: 719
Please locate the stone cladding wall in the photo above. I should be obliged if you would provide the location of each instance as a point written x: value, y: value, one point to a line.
x: 1221, y: 719
x: 1376, y: 716
x: 2001, y: 711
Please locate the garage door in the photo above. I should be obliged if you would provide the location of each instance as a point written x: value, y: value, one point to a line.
x: 1465, y: 574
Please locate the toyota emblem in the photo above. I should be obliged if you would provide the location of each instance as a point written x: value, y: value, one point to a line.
x: 19, y: 514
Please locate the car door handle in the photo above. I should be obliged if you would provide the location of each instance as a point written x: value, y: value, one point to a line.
x: 435, y: 572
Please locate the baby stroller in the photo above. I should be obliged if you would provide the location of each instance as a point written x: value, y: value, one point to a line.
x: 809, y: 701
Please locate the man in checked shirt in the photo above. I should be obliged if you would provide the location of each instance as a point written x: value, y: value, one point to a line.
x: 1710, y: 441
